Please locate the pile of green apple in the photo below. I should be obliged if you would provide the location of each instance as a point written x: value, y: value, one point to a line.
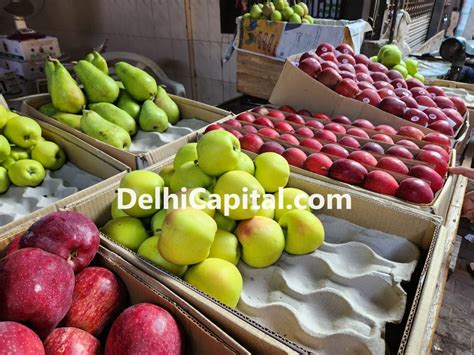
x: 24, y: 153
x: 391, y: 56
x: 204, y: 245
x: 280, y: 10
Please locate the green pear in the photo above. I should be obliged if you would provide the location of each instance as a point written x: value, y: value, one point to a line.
x: 138, y: 83
x: 152, y: 118
x: 246, y: 15
x: 98, y: 61
x: 286, y: 13
x: 276, y: 16
x: 49, y: 69
x: 22, y: 131
x: 120, y: 85
x: 128, y: 104
x: 149, y: 250
x: 255, y: 11
x: 290, y: 198
x: 309, y: 19
x: 246, y: 164
x: 26, y: 172
x: 294, y: 18
x: 305, y: 8
x: 115, y: 115
x: 304, y: 232
x: 187, y: 152
x: 218, y: 151
x: 272, y: 171
x: 99, y: 87
x: 4, y: 180
x: 65, y: 93
x: 299, y: 10
x: 164, y: 101
x: 69, y: 119
x: 115, y: 211
x: 5, y: 148
x: 218, y: 278
x: 262, y: 241
x: 167, y: 173
x: 48, y: 109
x: 268, y: 9
x: 99, y: 128
x: 127, y: 231
x: 187, y: 236
x: 49, y: 154
x: 226, y: 247
x: 157, y: 221
x: 279, y: 4
x: 189, y: 175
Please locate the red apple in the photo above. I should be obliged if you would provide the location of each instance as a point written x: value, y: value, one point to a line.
x: 346, y: 59
x: 417, y: 91
x: 246, y: 117
x: 415, y: 190
x: 233, y: 123
x: 286, y: 108
x: 393, y: 75
x: 442, y: 127
x: 329, y: 56
x: 365, y: 85
x: 236, y: 133
x: 400, y: 152
x: 386, y: 92
x: 443, y: 102
x: 326, y: 135
x: 409, y: 101
x: 361, y: 68
x: 251, y: 142
x: 250, y: 129
x: 295, y: 118
x: 393, y: 164
x: 369, y: 96
x: 438, y: 149
x: 363, y: 123
x: 13, y: 246
x: 324, y: 48
x: 373, y: 147
x: 36, y: 287
x: 407, y: 143
x: 349, y: 141
x: 381, y: 182
x: 284, y: 126
x: 454, y: 116
x: 348, y: 75
x: 377, y: 67
x: 71, y: 341
x: 261, y: 110
x: 393, y: 105
x: 310, y: 66
x: 346, y: 49
x: 363, y: 157
x: 70, y: 235
x: 329, y: 77
x: 435, y: 114
x: 355, y: 131
x: 329, y: 64
x: 264, y: 121
x: 295, y: 157
x: 400, y: 92
x: 437, y: 138
x: 309, y: 54
x: 411, y: 132
x: 318, y: 163
x: 276, y: 114
x: 289, y: 139
x: 435, y: 158
x: 384, y: 85
x: 315, y: 124
x: 382, y: 138
x: 305, y: 132
x: 335, y: 127
x: 348, y: 171
x: 347, y: 87
x: 424, y: 100
x: 416, y: 116
x: 378, y: 76
x: 342, y: 120
x: 459, y: 104
x: 362, y: 59
x: 274, y: 147
x: 311, y: 143
x: 213, y: 127
x: 15, y: 338
x: 412, y: 83
x: 347, y: 67
x: 364, y: 77
x: 304, y: 113
x: 335, y: 149
x: 269, y: 132
x: 386, y: 129
x: 321, y: 116
x: 399, y: 84
x: 435, y: 91
x: 426, y: 173
x: 144, y: 329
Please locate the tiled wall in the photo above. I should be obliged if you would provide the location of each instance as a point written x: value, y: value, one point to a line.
x: 153, y: 28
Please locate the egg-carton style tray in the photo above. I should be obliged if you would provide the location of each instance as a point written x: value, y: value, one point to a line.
x: 20, y: 201
x: 338, y: 299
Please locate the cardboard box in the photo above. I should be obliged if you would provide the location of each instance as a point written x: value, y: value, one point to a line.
x: 29, y: 70
x: 32, y: 49
x: 200, y: 334
x: 367, y: 211
x: 188, y: 108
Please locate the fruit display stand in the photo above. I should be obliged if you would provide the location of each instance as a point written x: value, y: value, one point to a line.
x: 421, y: 229
x: 170, y: 143
x: 202, y: 336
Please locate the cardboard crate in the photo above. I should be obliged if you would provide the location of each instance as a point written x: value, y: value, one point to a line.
x: 367, y: 211
x: 31, y: 49
x: 200, y: 334
x: 188, y: 108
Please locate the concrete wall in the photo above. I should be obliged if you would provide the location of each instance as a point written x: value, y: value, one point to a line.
x: 154, y: 28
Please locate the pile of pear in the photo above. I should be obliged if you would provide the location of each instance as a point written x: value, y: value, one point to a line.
x: 108, y: 110
x: 204, y: 245
x: 280, y: 10
x: 24, y: 154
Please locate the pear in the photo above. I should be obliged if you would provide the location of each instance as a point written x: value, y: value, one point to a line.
x: 309, y: 19
x: 279, y: 4
x: 305, y: 8
x: 276, y: 16
x: 69, y: 119
x: 48, y: 71
x: 294, y: 18
x: 65, y: 93
x: 246, y: 15
x: 99, y: 87
x: 298, y: 9
x: 255, y: 11
x: 286, y: 13
x: 98, y: 61
x: 152, y: 118
x: 164, y: 101
x: 268, y: 9
x: 128, y: 104
x: 115, y: 115
x: 48, y: 109
x: 99, y: 128
x: 138, y: 83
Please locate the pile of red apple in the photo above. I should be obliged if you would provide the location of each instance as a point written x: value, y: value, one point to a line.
x: 355, y: 76
x: 52, y: 302
x: 404, y: 163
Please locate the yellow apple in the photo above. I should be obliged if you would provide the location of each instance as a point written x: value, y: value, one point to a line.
x: 115, y: 211
x: 128, y: 231
x: 246, y: 164
x: 157, y: 221
x: 166, y: 173
x: 225, y: 246
x: 200, y: 197
x: 224, y: 223
x: 289, y: 199
x: 186, y: 153
x: 218, y: 152
x: 303, y: 230
x: 272, y: 171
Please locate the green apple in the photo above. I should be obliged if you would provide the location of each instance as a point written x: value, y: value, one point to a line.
x: 200, y: 198
x: 5, y: 148
x: 149, y: 250
x: 235, y: 189
x: 218, y: 278
x: 374, y: 59
x: 262, y: 241
x: 246, y: 164
x: 127, y: 231
x: 18, y: 153
x: 157, y: 221
x: 409, y: 77
x: 190, y: 175
x: 412, y: 66
x: 267, y: 209
x: 4, y: 180
x: 143, y: 183
x: 401, y: 69
x: 166, y: 173
x: 218, y: 151
x: 226, y: 247
x: 187, y: 152
x: 272, y: 171
x: 22, y: 131
x: 26, y: 172
x: 402, y: 63
x: 224, y: 223
x: 419, y: 76
x: 288, y: 200
x: 115, y: 211
x: 304, y: 232
x: 5, y: 116
x: 49, y: 154
x: 9, y: 161
x: 390, y: 55
x: 187, y: 236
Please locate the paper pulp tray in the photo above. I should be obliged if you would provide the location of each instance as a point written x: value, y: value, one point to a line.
x: 200, y: 334
x: 368, y: 212
x: 188, y: 108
